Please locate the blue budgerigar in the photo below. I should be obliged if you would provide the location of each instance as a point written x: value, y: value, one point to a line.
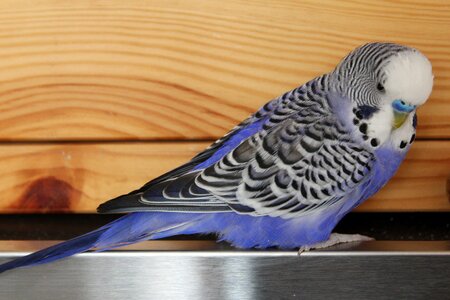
x: 286, y: 175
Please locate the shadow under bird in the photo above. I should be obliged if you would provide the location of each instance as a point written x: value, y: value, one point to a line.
x: 287, y: 174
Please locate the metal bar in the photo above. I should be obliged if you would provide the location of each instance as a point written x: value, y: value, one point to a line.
x: 205, y: 270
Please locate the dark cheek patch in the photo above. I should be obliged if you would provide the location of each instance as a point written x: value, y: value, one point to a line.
x: 366, y: 111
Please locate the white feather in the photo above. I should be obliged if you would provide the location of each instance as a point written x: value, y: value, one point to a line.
x: 409, y: 77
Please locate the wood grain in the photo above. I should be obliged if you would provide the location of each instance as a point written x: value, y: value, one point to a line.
x: 78, y: 177
x: 108, y: 70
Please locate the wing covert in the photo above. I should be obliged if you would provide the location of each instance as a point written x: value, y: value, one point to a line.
x: 300, y: 159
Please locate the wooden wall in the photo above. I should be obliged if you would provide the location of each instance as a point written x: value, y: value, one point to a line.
x: 98, y: 97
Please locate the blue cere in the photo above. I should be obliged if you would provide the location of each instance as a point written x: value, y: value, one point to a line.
x: 401, y: 106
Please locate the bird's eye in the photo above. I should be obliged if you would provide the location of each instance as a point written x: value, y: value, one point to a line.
x: 380, y: 87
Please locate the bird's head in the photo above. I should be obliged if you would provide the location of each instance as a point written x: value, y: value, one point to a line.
x: 386, y: 83
x: 407, y: 82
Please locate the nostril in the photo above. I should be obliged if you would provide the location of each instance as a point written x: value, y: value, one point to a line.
x: 402, y: 107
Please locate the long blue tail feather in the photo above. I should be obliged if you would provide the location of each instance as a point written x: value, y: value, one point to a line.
x: 59, y: 251
x: 129, y: 229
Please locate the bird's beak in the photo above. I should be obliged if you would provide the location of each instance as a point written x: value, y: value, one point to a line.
x: 399, y: 119
x: 401, y: 112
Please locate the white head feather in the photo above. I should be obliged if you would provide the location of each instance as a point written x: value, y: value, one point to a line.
x: 409, y: 77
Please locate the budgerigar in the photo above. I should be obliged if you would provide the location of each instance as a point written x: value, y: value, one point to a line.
x: 286, y: 175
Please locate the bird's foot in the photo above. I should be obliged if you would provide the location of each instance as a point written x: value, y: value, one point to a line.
x: 334, y: 239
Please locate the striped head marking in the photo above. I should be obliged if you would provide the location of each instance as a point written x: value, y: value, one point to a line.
x: 386, y: 83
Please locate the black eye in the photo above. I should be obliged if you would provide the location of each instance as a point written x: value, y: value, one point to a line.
x: 380, y: 87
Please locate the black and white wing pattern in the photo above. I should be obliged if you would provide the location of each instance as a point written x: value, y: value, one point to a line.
x: 302, y: 159
x: 176, y: 189
x: 284, y: 173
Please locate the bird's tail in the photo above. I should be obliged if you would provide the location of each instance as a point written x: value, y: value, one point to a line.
x: 129, y: 229
x: 68, y: 248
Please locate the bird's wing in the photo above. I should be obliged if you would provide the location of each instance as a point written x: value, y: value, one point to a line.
x: 289, y: 173
x: 219, y: 148
x: 301, y: 159
x: 182, y: 175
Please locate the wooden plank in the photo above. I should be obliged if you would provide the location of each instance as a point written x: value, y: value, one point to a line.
x: 77, y: 70
x: 78, y: 177
x: 421, y: 183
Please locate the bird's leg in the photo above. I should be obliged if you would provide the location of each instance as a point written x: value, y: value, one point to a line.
x: 336, y: 238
